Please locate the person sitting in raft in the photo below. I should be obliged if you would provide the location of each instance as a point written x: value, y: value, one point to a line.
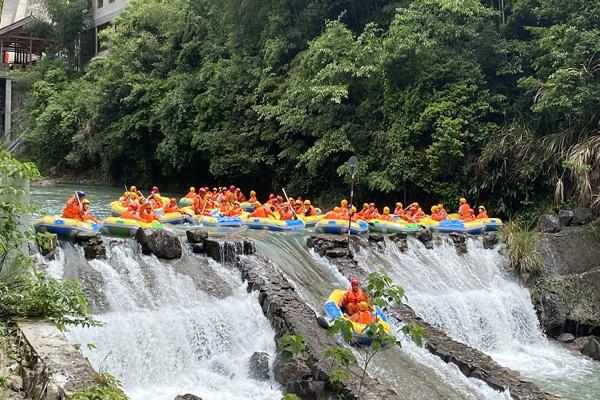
x: 309, y: 209
x: 236, y: 210
x: 363, y: 315
x: 442, y: 211
x: 86, y: 214
x: 261, y: 211
x: 435, y: 214
x: 146, y: 213
x: 343, y: 209
x: 363, y: 214
x: 272, y: 199
x: 399, y: 210
x: 298, y: 206
x: 134, y: 194
x: 415, y: 212
x: 131, y: 213
x: 224, y: 207
x: 252, y: 198
x: 352, y: 297
x: 286, y: 213
x: 172, y: 207
x: 386, y: 215
x: 335, y: 214
x: 191, y: 194
x: 482, y: 213
x: 470, y: 217
x: 239, y: 196
x: 373, y: 212
x: 463, y: 209
x: 72, y: 208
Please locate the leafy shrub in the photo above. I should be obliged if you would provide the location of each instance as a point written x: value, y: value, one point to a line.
x: 522, y: 242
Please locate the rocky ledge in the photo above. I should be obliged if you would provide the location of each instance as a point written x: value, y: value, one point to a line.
x: 471, y: 362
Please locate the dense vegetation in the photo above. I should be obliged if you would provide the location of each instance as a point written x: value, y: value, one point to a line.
x: 437, y: 98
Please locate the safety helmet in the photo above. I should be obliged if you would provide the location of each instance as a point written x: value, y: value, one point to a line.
x: 353, y: 209
x: 482, y: 208
x: 336, y: 209
x: 173, y: 200
x: 192, y: 189
x: 363, y: 306
x: 214, y: 189
x: 344, y: 203
x: 354, y: 282
x: 133, y: 189
x: 307, y: 202
x: 271, y: 196
x: 257, y: 204
x: 440, y: 206
x: 434, y: 209
x: 252, y: 193
x: 203, y: 190
x: 236, y: 203
x: 237, y: 190
x: 386, y: 210
x: 231, y: 188
x: 85, y: 201
x: 463, y: 200
x: 80, y: 194
x: 365, y: 206
x: 127, y: 194
x: 471, y: 211
x: 398, y: 204
x: 298, y: 201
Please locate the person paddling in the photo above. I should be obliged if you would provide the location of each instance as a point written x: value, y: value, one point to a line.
x: 353, y: 296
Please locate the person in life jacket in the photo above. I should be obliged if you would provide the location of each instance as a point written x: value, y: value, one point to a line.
x: 399, y: 210
x: 134, y: 194
x: 239, y: 196
x: 172, y: 207
x: 442, y: 211
x: 386, y: 215
x: 285, y: 213
x: 252, y: 198
x: 364, y: 213
x: 373, y: 212
x: 86, y: 214
x: 309, y: 209
x: 146, y: 213
x: 298, y: 207
x: 435, y: 214
x: 236, y: 210
x: 131, y: 213
x: 261, y: 211
x: 463, y: 209
x: 126, y: 200
x: 224, y: 207
x: 415, y: 212
x: 72, y: 208
x: 272, y: 199
x: 343, y: 209
x: 471, y: 217
x: 363, y: 315
x: 335, y: 214
x: 353, y: 296
x: 482, y: 213
x: 191, y: 194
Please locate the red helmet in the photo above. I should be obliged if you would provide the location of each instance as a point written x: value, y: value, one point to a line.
x: 231, y: 188
x: 271, y: 196
x: 155, y: 188
x: 354, y: 282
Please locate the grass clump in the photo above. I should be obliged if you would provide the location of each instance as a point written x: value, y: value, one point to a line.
x: 522, y: 242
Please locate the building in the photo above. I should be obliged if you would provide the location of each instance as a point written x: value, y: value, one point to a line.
x: 104, y: 11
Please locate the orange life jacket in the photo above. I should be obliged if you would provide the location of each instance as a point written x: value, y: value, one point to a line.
x: 191, y: 195
x: 131, y: 215
x: 235, y: 212
x: 261, y: 212
x: 72, y: 211
x: 332, y: 215
x: 436, y: 216
x: 386, y: 217
x: 464, y: 210
x: 362, y: 317
x: 443, y: 213
x: 482, y: 215
x: 399, y: 211
x: 171, y: 209
x: 373, y: 214
x: 286, y: 215
x: 310, y: 211
x: 352, y: 297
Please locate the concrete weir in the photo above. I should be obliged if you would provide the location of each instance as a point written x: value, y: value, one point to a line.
x: 51, y: 368
x: 471, y: 362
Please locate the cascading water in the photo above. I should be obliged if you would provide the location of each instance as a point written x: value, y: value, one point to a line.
x: 168, y: 333
x: 476, y: 301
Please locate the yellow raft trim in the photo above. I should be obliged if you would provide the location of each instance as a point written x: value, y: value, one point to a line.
x: 336, y: 297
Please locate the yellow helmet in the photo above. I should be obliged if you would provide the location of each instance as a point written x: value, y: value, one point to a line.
x: 463, y: 200
x: 344, y: 203
x: 298, y: 201
x: 365, y: 206
x: 398, y: 204
x: 192, y: 189
x: 336, y: 209
x: 127, y: 194
x: 252, y: 193
x: 257, y: 204
x: 307, y: 202
x: 434, y: 209
x: 386, y: 210
x: 133, y: 189
x: 482, y: 208
x: 353, y: 209
x: 85, y: 201
x: 363, y: 306
x: 440, y: 206
x: 207, y: 196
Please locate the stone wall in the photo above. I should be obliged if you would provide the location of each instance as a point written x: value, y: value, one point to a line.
x: 471, y: 362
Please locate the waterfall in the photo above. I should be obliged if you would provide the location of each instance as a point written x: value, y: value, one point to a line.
x: 172, y: 328
x: 474, y: 298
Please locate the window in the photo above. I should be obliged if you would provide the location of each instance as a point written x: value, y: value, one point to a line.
x: 111, y: 1
x: 100, y: 3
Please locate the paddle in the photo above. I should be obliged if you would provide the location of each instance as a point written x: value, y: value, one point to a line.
x: 290, y: 204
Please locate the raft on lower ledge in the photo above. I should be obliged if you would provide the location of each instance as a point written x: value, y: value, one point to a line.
x: 360, y: 335
x: 275, y: 225
x: 126, y: 227
x: 65, y: 227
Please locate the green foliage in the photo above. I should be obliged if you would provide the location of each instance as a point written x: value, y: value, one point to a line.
x: 291, y: 346
x: 108, y: 388
x: 27, y: 293
x: 382, y: 290
x: 290, y: 396
x: 522, y: 243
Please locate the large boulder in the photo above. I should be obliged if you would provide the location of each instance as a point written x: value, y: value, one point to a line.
x: 307, y: 389
x: 291, y: 371
x: 425, y: 237
x: 552, y: 313
x: 259, y: 366
x: 565, y: 217
x: 582, y: 216
x: 196, y: 235
x: 187, y: 397
x: 161, y: 243
x: 92, y: 244
x: 566, y: 337
x: 490, y: 240
x: 548, y: 223
x: 592, y: 348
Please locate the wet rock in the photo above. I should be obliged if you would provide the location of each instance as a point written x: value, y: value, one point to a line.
x: 460, y: 242
x: 592, y: 348
x: 376, y: 237
x: 565, y: 217
x: 161, y: 243
x: 548, y: 223
x: 197, y: 248
x: 307, y: 389
x: 565, y: 337
x: 425, y: 237
x: 259, y: 366
x: 490, y: 240
x: 401, y: 241
x: 15, y: 383
x: 92, y: 244
x: 551, y: 312
x: 582, y: 216
x: 291, y: 371
x: 188, y: 397
x: 337, y: 253
x: 227, y: 251
x: 322, y: 322
x: 196, y: 235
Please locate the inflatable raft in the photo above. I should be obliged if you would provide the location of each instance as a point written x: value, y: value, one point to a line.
x: 333, y: 311
x: 125, y: 227
x: 65, y: 227
x: 383, y: 226
x: 340, y: 227
x: 247, y: 206
x: 275, y: 225
x: 215, y: 220
x: 491, y: 224
x: 454, y: 226
x: 174, y: 218
x: 310, y: 222
x: 117, y: 209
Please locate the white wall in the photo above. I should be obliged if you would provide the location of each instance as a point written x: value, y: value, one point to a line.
x: 108, y: 11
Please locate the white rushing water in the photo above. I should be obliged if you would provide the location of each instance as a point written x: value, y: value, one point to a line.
x: 476, y: 301
x: 164, y: 336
